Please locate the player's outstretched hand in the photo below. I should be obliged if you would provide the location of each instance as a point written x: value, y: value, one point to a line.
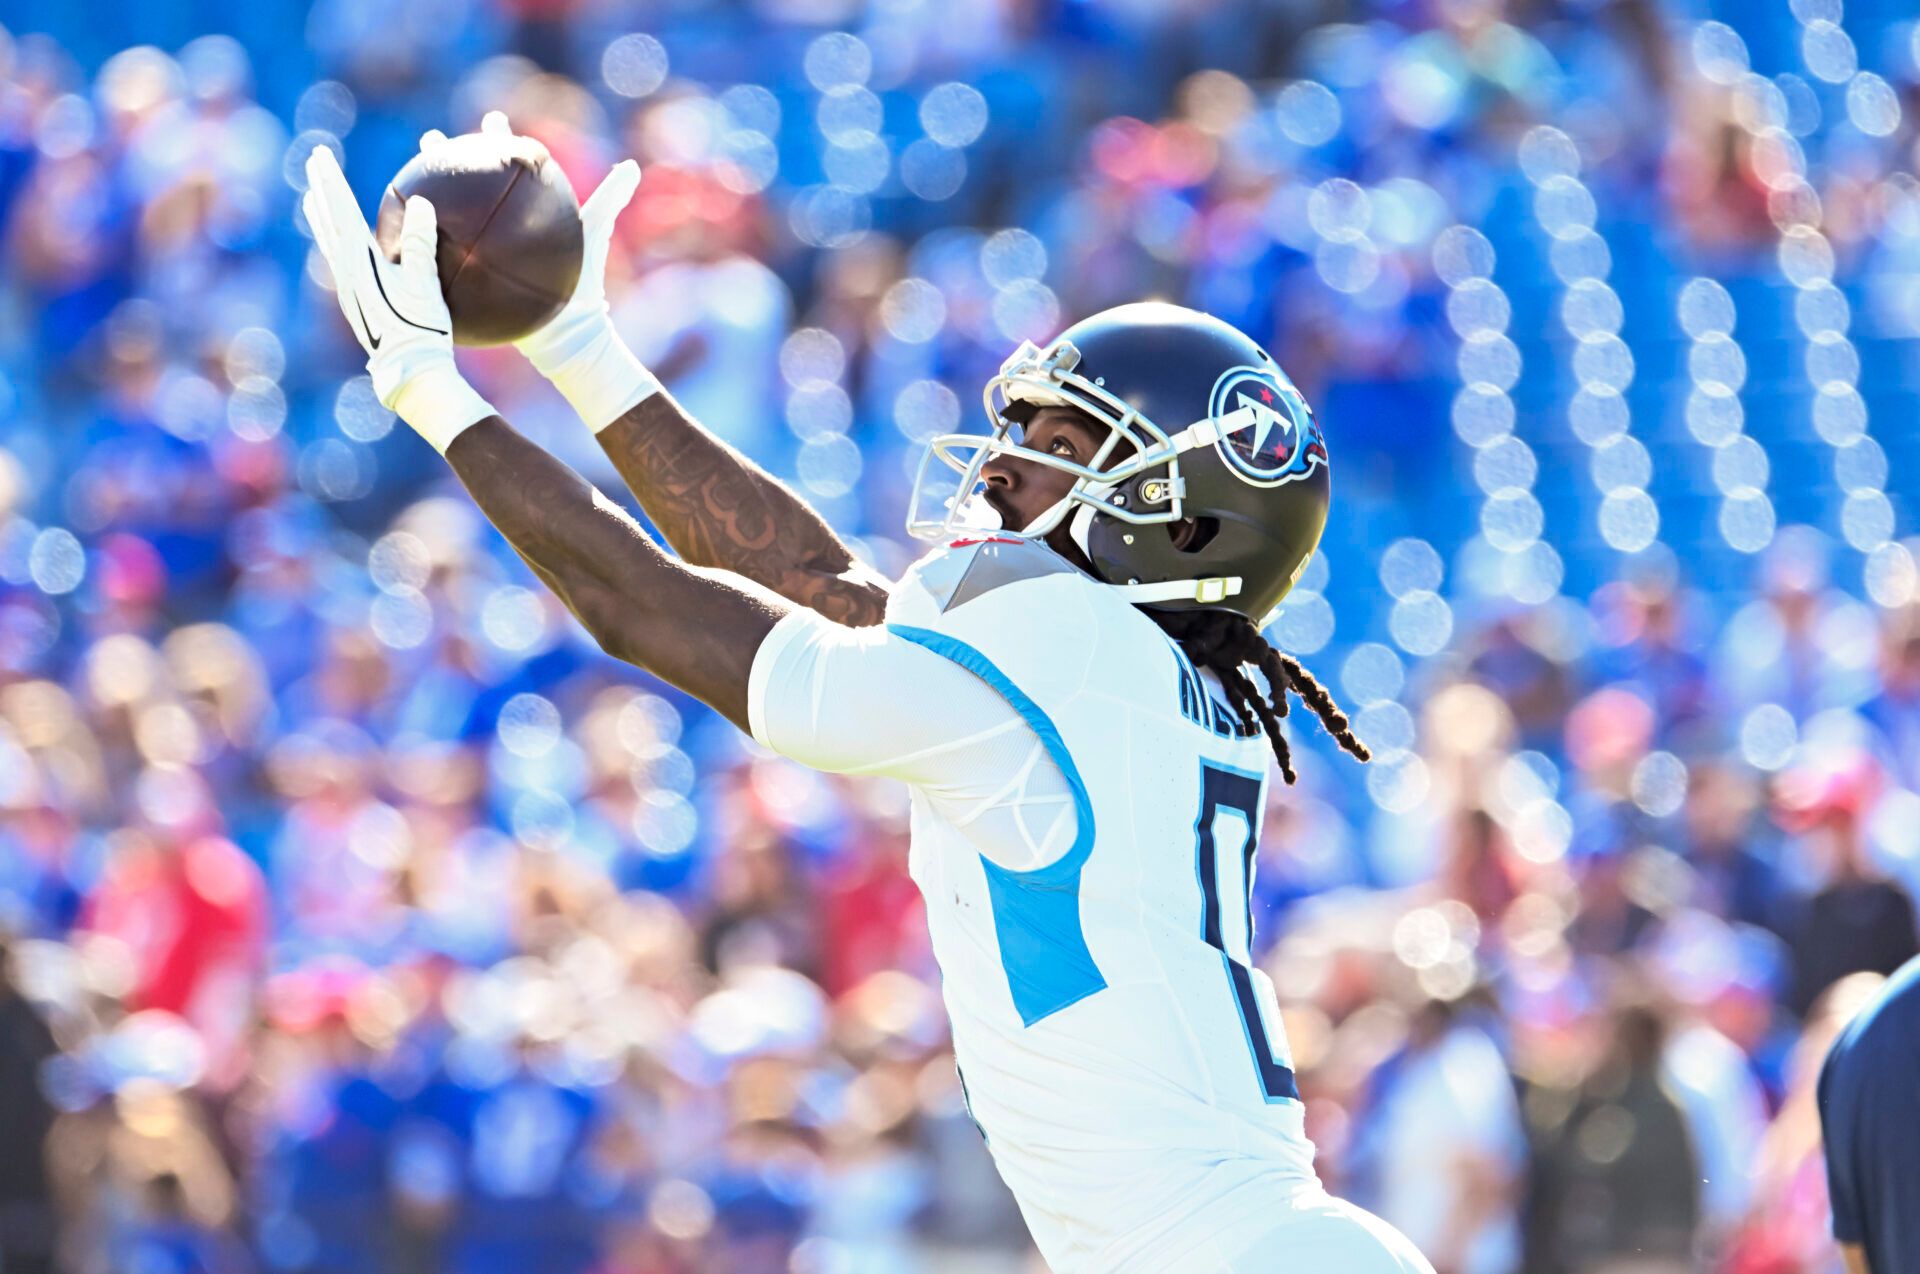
x: 586, y: 313
x: 585, y: 317
x: 578, y: 349
x: 395, y: 308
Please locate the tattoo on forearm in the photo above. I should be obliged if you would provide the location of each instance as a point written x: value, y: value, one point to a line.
x: 717, y: 508
x: 849, y: 602
x: 706, y: 503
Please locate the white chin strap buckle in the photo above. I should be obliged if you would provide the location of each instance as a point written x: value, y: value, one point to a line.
x: 1208, y: 592
x: 1078, y: 525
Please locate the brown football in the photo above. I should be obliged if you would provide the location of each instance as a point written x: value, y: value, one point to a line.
x: 510, y: 244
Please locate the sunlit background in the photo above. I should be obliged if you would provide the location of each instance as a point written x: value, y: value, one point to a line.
x: 363, y: 917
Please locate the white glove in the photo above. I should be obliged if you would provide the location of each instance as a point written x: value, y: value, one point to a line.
x: 578, y: 349
x: 394, y: 308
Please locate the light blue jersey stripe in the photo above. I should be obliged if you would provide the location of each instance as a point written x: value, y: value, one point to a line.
x: 1036, y: 913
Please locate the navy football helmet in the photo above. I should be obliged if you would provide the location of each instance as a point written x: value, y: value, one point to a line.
x: 1206, y: 426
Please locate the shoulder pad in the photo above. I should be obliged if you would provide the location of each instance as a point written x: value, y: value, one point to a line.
x: 1018, y: 604
x: 1010, y: 603
x: 971, y: 568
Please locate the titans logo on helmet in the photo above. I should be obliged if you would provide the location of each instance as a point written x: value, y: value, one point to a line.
x: 1268, y: 434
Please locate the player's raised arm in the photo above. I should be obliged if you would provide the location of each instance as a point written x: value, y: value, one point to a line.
x: 715, y: 506
x: 696, y: 628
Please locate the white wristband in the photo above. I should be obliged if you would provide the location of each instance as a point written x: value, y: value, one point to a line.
x: 603, y: 381
x: 440, y: 405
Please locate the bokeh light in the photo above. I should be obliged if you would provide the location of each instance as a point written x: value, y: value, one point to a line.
x: 634, y: 65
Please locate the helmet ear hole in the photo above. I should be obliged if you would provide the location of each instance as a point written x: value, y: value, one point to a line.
x: 1190, y: 535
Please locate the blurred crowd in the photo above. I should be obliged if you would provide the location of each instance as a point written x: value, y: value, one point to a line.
x: 358, y: 914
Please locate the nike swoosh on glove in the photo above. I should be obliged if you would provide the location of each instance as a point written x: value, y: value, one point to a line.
x: 395, y: 308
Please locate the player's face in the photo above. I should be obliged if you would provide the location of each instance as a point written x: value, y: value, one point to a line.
x: 1020, y: 490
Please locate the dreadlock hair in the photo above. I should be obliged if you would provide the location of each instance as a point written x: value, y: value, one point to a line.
x: 1225, y: 642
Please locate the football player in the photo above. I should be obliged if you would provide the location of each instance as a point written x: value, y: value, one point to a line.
x: 1067, y: 697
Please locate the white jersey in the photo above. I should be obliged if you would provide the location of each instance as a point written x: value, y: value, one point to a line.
x: 1085, y: 808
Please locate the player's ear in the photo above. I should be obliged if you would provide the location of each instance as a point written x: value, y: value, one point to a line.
x: 1190, y: 535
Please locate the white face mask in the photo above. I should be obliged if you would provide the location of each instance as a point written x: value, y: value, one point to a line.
x: 944, y: 505
x: 941, y: 503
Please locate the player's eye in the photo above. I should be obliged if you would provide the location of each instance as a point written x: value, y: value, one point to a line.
x: 1061, y: 447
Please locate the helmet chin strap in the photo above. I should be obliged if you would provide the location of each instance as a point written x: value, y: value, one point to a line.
x: 1208, y: 591
x: 1049, y: 518
x: 1078, y: 524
